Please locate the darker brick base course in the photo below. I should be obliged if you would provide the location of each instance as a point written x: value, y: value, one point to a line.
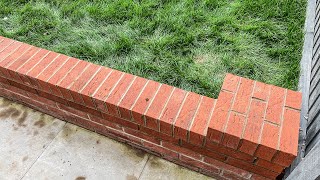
x: 181, y: 153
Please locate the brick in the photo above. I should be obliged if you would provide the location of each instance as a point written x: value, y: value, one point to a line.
x: 5, y: 43
x: 198, y: 128
x: 81, y: 81
x: 11, y: 58
x: 15, y: 90
x: 181, y: 150
x: 10, y: 48
x: 3, y: 80
x: 293, y: 99
x: 56, y: 112
x: 50, y: 70
x: 70, y: 78
x: 157, y: 105
x: 120, y: 121
x: 261, y: 91
x: 38, y: 68
x: 199, y: 164
x: 81, y: 114
x: 252, y: 168
x: 219, y: 116
x: 171, y: 110
x: 226, y: 167
x: 232, y: 175
x: 162, y: 151
x: 186, y: 116
x: 20, y: 61
x: 283, y: 159
x: 85, y: 109
x: 253, y: 127
x: 243, y: 95
x: 269, y: 165
x: 53, y: 80
x: 29, y: 64
x: 230, y: 83
x: 158, y: 135
x: 144, y: 100
x: 229, y: 152
x: 52, y: 97
x: 275, y: 104
x: 204, y: 151
x: 93, y: 85
x: 143, y: 136
x: 233, y: 130
x: 105, y: 122
x: 103, y: 92
x: 42, y: 64
x: 258, y: 177
x: 268, y: 142
x: 46, y: 101
x: 117, y: 94
x: 130, y: 97
x: 21, y: 86
x: 288, y: 145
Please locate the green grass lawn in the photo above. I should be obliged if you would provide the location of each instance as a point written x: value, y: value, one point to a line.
x: 189, y: 44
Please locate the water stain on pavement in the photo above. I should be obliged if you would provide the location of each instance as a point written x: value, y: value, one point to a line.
x: 5, y: 113
x: 131, y: 177
x: 51, y: 135
x: 80, y: 178
x: 23, y: 118
x: 5, y: 103
x: 25, y: 158
x: 67, y: 132
x: 35, y: 133
x: 41, y: 122
x: 155, y: 163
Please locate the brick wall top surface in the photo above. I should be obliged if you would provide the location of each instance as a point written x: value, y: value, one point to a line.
x: 249, y: 117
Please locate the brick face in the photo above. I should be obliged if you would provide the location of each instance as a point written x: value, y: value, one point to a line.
x: 198, y: 128
x: 158, y: 103
x: 186, y: 116
x: 275, y: 104
x: 220, y: 116
x: 249, y: 132
x: 171, y: 111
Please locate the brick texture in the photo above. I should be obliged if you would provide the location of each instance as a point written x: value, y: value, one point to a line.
x: 249, y: 132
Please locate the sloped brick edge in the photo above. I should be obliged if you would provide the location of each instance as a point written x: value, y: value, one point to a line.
x: 249, y: 132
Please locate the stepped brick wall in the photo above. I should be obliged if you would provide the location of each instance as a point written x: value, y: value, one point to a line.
x: 249, y: 132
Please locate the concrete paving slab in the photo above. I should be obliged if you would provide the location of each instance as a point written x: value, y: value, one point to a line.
x: 161, y: 169
x: 78, y: 153
x: 37, y: 146
x: 24, y: 135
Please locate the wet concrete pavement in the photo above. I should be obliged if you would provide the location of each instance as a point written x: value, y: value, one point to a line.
x: 37, y: 146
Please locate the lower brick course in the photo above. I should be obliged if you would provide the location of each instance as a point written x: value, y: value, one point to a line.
x: 249, y: 132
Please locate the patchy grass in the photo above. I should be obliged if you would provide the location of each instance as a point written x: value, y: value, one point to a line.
x: 190, y: 44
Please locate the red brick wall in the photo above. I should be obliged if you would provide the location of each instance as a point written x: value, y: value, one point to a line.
x: 249, y: 132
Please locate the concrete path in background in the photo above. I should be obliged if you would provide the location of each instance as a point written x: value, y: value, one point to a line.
x: 37, y: 146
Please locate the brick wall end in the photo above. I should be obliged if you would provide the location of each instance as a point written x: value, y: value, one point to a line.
x: 257, y: 119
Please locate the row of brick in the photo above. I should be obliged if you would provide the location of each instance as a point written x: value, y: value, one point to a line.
x: 157, y: 106
x: 81, y: 117
x: 251, y: 121
x: 182, y: 154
